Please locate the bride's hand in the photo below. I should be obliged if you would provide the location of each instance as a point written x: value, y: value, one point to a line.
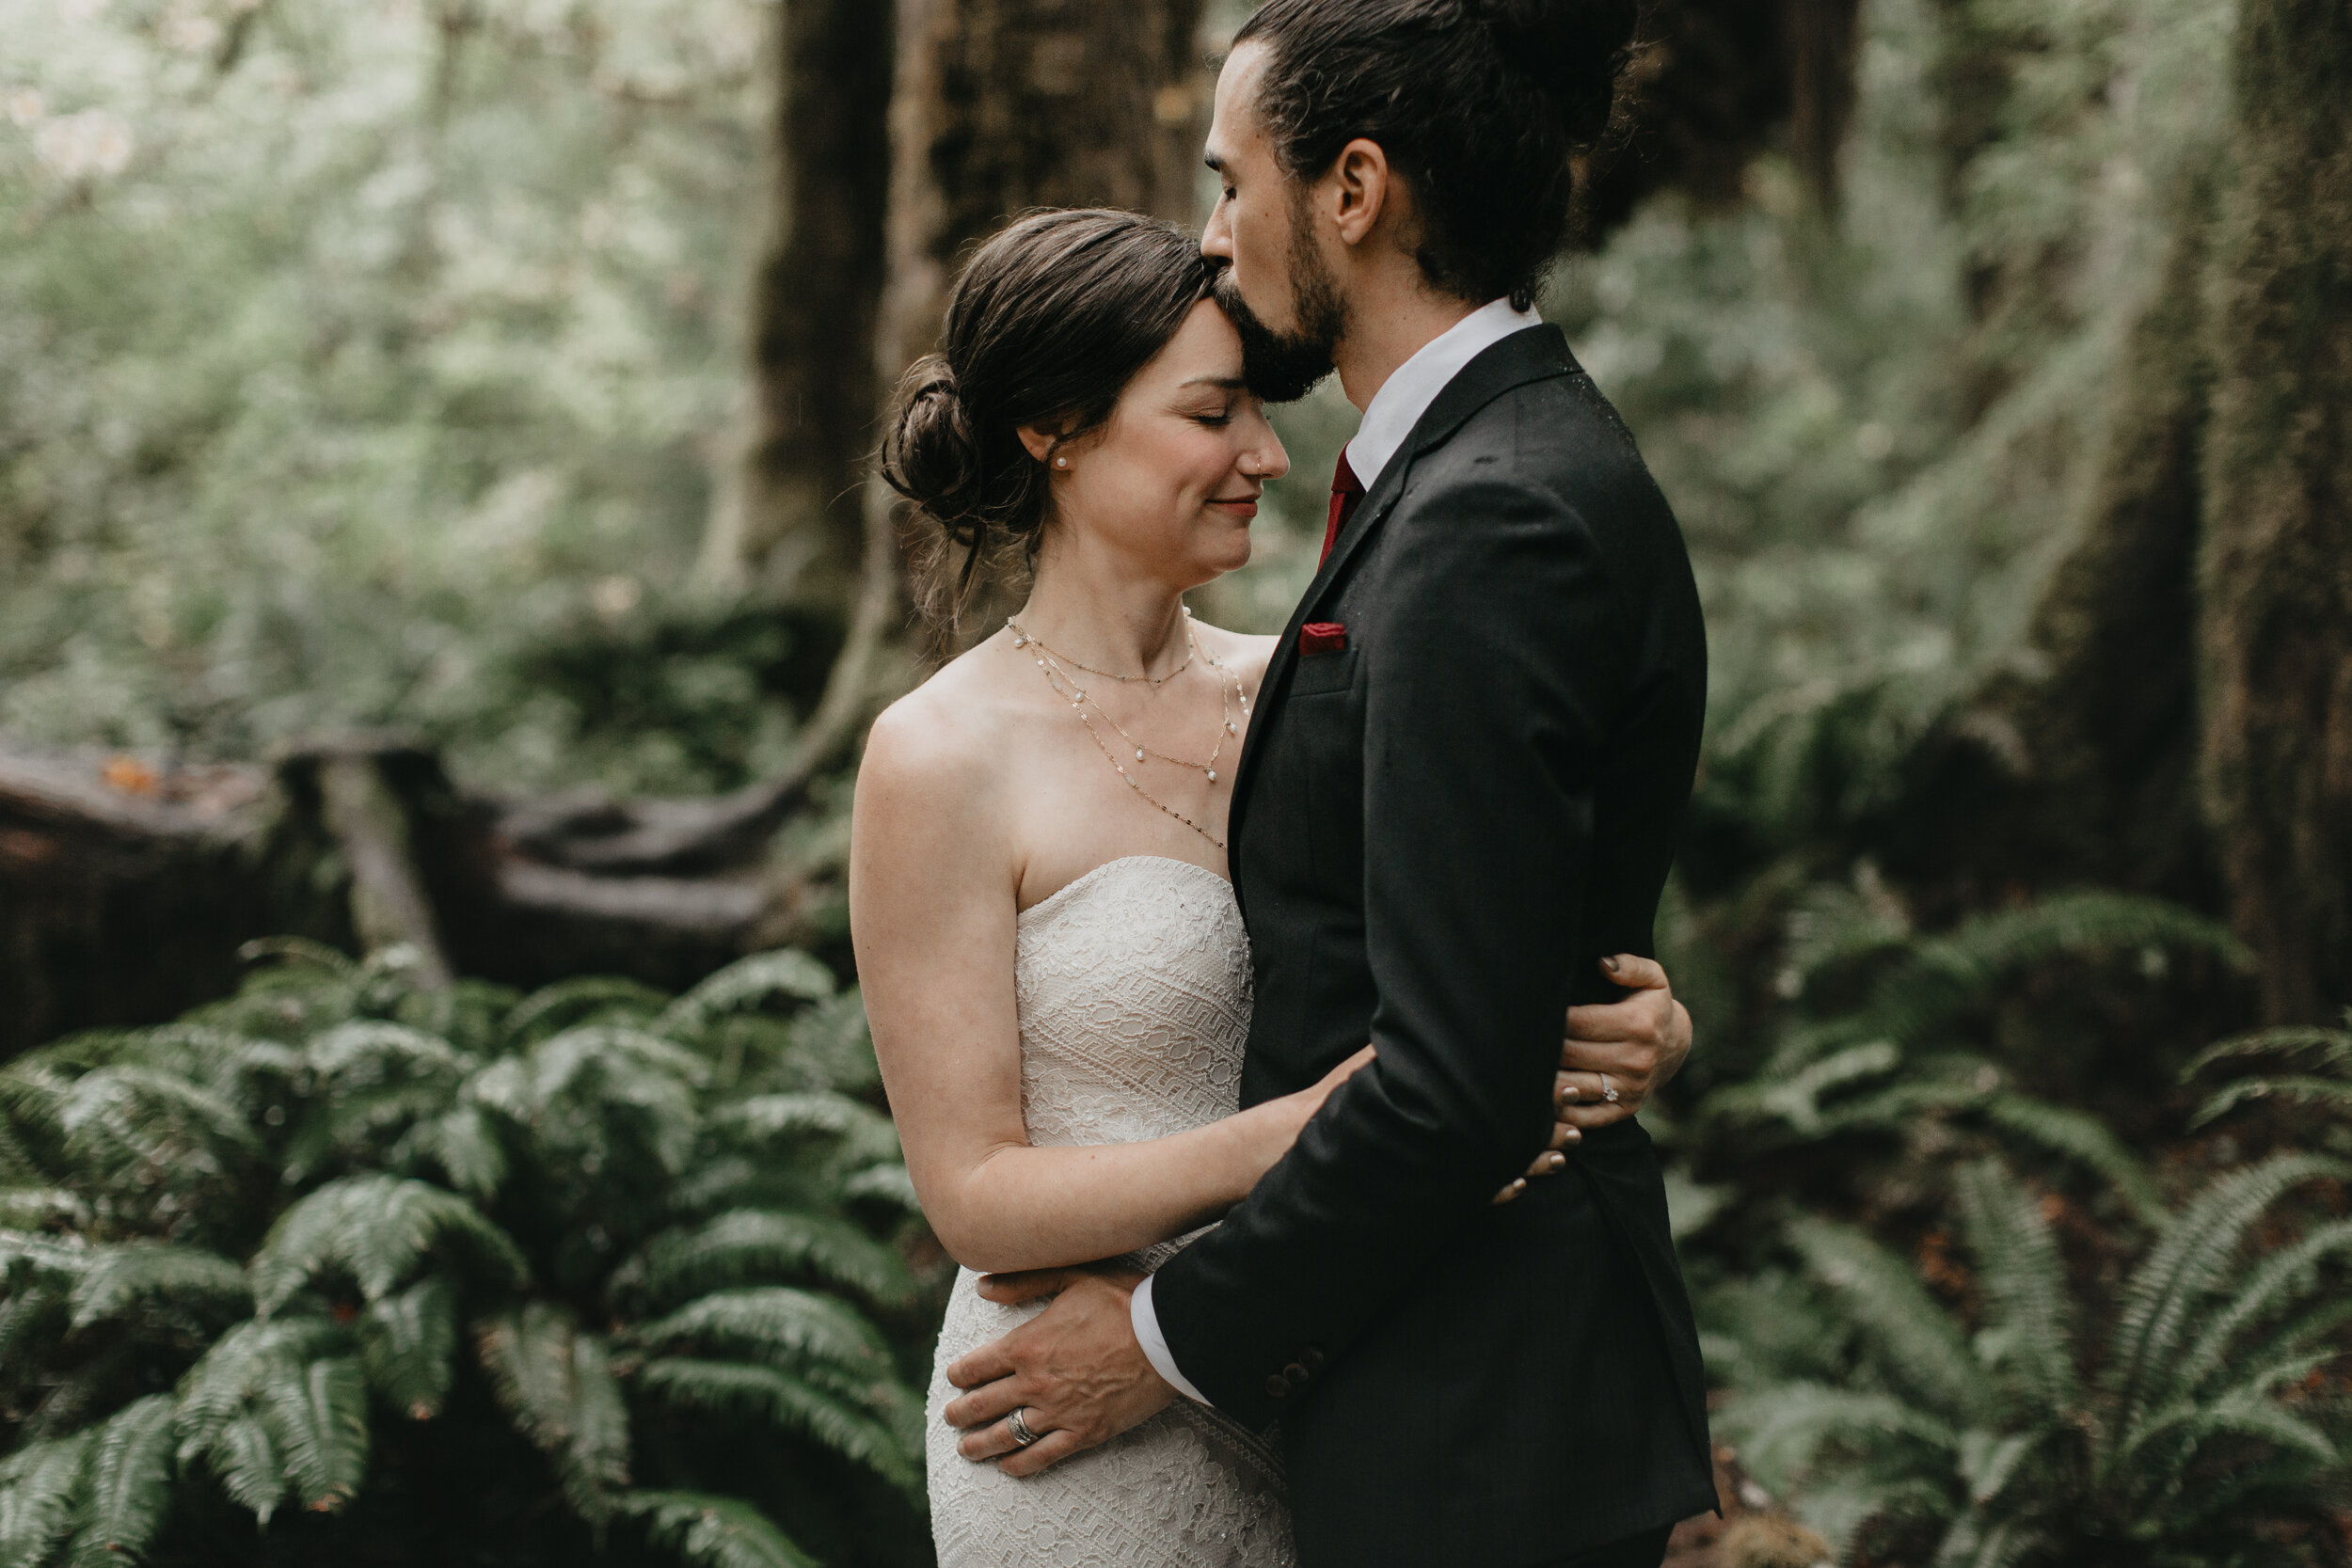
x: 1613, y: 1059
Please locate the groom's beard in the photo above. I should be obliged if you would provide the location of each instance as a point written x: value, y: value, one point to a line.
x: 1283, y: 367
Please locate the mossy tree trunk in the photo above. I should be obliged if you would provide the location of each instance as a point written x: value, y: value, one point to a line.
x: 1004, y: 105
x: 2276, y: 568
x: 787, y: 510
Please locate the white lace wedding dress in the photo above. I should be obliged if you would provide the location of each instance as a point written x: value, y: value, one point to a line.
x: 1134, y: 991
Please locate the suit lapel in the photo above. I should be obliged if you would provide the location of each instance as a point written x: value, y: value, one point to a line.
x: 1537, y: 354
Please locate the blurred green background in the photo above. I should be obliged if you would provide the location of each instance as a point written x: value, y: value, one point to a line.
x: 436, y: 529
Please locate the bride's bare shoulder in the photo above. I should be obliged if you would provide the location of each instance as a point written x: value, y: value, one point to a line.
x: 1245, y: 655
x: 943, y: 738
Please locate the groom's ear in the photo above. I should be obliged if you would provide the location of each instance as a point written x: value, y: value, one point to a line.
x: 1360, y: 191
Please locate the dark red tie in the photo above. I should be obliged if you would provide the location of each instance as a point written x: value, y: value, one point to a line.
x: 1346, y: 491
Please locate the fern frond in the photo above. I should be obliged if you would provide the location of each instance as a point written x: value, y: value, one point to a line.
x: 2326, y: 1094
x: 1960, y: 970
x: 708, y: 1531
x: 557, y: 1006
x: 244, y: 1460
x: 299, y: 953
x: 783, y: 1400
x: 321, y: 1425
x: 26, y: 1309
x: 34, y: 1208
x: 891, y: 1183
x: 2290, y: 1269
x: 119, y: 1116
x: 408, y: 1344
x: 2185, y: 1426
x: 1797, y: 1100
x: 255, y: 1364
x: 57, y: 1257
x: 2328, y: 1048
x: 2085, y: 1139
x: 557, y: 1384
x: 38, y: 1485
x: 464, y: 1142
x: 1989, y: 1461
x: 747, y: 1244
x: 1781, y: 1430
x: 1923, y: 1351
x: 120, y: 1278
x: 2017, y: 1261
x: 369, y: 1051
x: 376, y: 1228
x: 129, y: 1491
x: 795, y: 1329
x: 783, y: 973
x: 857, y: 1134
x: 2172, y: 1284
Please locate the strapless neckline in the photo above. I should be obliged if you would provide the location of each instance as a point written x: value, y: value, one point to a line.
x: 1130, y: 862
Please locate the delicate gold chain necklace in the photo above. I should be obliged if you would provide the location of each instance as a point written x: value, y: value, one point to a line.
x: 1021, y: 639
x: 1068, y: 688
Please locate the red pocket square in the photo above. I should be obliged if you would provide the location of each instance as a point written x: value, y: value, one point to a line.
x: 1322, y: 637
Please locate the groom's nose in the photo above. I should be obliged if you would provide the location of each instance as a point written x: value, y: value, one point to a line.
x: 1217, y: 238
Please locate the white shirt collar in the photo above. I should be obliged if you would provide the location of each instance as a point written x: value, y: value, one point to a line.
x: 1407, y: 395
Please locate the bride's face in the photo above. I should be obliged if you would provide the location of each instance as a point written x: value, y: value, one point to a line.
x: 1172, y: 483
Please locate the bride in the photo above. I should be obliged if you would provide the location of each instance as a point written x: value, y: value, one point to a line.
x: 1052, y: 958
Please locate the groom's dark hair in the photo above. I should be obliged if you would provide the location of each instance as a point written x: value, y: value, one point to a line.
x: 1480, y: 105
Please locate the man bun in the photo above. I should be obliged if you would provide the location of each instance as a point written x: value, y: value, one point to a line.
x: 1481, y: 105
x: 1572, y: 51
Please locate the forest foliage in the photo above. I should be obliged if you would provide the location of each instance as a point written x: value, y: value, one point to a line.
x: 372, y: 365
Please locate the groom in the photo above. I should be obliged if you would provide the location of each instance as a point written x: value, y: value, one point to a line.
x: 1463, y: 785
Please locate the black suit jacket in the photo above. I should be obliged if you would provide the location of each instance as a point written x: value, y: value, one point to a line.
x: 1435, y: 835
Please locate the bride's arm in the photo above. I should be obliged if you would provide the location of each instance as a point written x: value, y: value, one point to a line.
x: 932, y: 913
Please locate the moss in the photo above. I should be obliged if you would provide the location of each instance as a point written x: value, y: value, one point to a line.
x: 2275, y: 567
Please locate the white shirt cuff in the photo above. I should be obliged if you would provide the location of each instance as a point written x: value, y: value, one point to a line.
x: 1154, y: 1343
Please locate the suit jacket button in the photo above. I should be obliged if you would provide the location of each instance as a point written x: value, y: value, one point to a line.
x: 1296, y: 1373
x: 1277, y: 1387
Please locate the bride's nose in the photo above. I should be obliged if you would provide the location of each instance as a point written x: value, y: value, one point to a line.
x: 1268, y: 460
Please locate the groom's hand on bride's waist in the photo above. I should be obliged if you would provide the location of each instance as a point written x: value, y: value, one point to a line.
x: 1075, y: 1371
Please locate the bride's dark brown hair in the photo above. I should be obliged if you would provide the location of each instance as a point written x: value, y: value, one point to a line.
x: 1048, y: 323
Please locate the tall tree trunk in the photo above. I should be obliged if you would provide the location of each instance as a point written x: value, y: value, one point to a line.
x: 789, y: 512
x: 1004, y: 105
x: 2277, y: 562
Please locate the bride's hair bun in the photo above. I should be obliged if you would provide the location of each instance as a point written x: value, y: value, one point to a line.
x: 931, y: 454
x: 1048, y: 323
x: 1572, y: 50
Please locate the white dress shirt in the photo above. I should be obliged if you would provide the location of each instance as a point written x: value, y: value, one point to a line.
x: 1396, y: 408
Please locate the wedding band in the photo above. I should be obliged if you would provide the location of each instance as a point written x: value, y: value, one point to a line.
x: 1606, y: 1092
x: 1019, y: 1428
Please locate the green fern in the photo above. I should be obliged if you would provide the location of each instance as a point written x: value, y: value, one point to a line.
x: 376, y: 1230
x: 128, y: 1487
x: 1948, y: 1444
x: 714, y: 1532
x: 2326, y: 1088
x: 558, y: 1383
x: 323, y: 1211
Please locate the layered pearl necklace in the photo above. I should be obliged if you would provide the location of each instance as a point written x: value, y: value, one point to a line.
x: 1058, y: 667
